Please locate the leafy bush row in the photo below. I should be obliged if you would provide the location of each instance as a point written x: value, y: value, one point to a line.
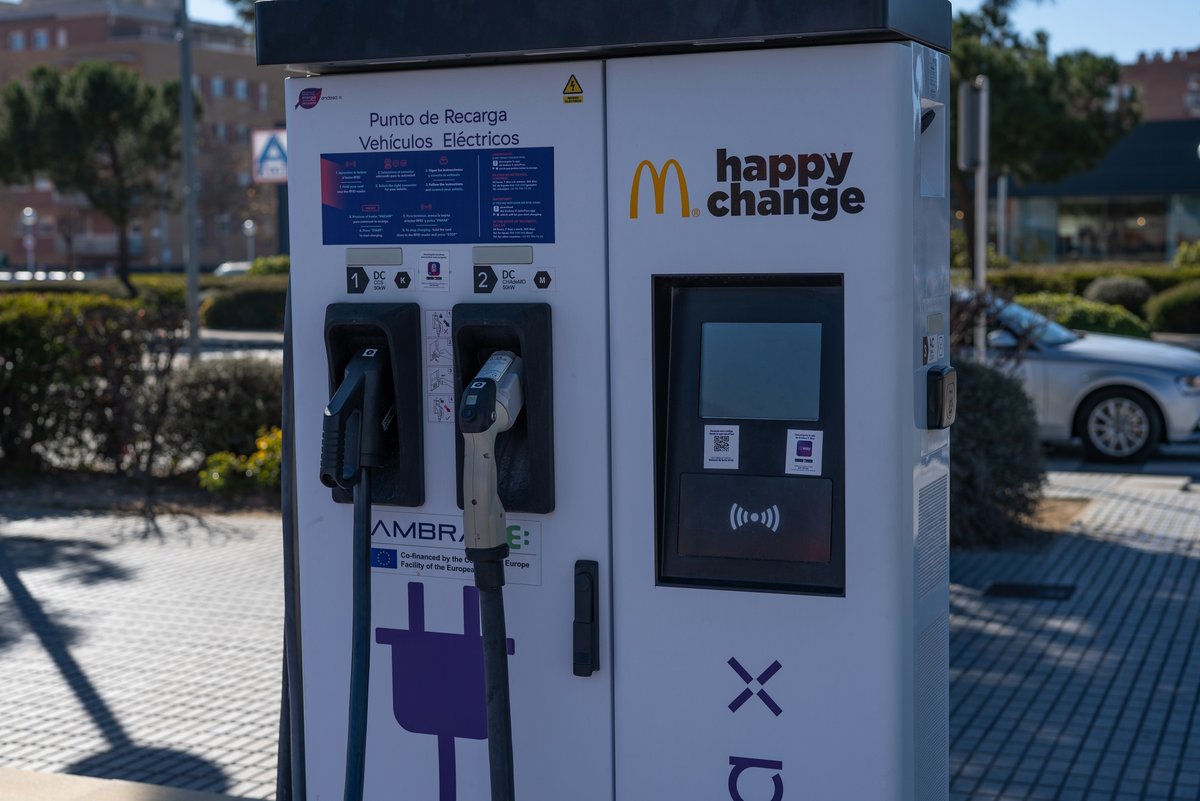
x: 90, y: 382
x: 230, y: 473
x: 1085, y: 315
x: 1074, y: 280
x: 1176, y: 309
x: 83, y: 378
x: 254, y: 303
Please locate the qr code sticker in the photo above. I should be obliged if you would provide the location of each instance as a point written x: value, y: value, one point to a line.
x: 721, y: 443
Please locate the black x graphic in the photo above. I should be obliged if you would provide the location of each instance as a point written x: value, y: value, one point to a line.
x: 762, y: 679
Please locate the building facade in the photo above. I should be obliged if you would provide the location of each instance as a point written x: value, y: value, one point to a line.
x: 236, y: 97
x: 1142, y: 199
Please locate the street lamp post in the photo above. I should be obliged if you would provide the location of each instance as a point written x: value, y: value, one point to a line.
x: 29, y: 218
x: 249, y: 229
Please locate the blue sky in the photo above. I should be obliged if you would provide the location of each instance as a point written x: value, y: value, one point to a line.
x: 1108, y: 27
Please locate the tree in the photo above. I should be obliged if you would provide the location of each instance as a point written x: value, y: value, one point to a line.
x: 244, y: 9
x: 97, y: 130
x: 1050, y: 117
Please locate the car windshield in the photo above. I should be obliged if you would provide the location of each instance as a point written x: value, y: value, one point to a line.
x: 1026, y: 322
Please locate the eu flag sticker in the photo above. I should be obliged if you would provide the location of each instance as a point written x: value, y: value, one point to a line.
x: 383, y: 557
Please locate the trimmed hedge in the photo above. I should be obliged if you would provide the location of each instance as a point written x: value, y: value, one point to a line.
x: 229, y: 473
x: 1188, y: 254
x: 1085, y: 315
x: 82, y: 378
x: 996, y: 467
x: 1176, y: 310
x: 1121, y: 290
x: 221, y: 405
x: 1074, y: 280
x: 271, y: 265
x: 247, y: 304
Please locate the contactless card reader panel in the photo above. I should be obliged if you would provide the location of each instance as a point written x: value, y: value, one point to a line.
x: 750, y: 415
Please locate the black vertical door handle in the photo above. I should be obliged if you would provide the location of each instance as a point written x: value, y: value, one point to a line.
x: 585, y: 639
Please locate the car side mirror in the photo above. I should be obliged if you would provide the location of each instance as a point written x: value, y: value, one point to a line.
x: 1001, y: 339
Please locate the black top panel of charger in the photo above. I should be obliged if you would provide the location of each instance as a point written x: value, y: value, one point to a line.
x: 336, y: 35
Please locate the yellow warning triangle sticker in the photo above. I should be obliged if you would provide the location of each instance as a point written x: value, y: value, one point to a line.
x: 573, y: 87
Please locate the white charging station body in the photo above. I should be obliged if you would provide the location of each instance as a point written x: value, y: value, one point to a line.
x: 526, y: 184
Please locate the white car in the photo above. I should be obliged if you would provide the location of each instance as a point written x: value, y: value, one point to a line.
x: 233, y: 268
x: 1121, y: 395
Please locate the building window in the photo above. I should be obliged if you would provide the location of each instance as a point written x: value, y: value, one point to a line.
x: 264, y: 96
x: 240, y: 90
x: 61, y: 38
x: 243, y: 134
x: 220, y: 131
x: 41, y: 39
x: 195, y: 84
x: 218, y: 86
x: 16, y: 41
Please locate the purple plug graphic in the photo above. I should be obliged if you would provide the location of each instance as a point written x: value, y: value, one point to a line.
x: 437, y: 680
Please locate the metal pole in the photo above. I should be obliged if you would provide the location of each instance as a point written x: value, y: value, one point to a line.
x: 981, y: 220
x: 1002, y: 214
x: 187, y: 124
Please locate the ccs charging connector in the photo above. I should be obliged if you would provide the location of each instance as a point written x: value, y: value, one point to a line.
x: 489, y: 406
x: 358, y: 419
x: 355, y: 439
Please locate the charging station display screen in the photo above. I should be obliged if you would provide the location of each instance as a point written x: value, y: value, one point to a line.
x: 750, y: 411
x: 760, y: 371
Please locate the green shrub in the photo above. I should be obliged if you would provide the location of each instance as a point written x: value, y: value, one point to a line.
x: 1075, y: 279
x: 247, y: 304
x: 1085, y: 315
x: 229, y: 473
x: 1176, y: 310
x: 271, y: 265
x: 82, y: 378
x: 961, y: 257
x: 1121, y: 290
x: 220, y: 405
x: 996, y: 469
x: 1188, y: 254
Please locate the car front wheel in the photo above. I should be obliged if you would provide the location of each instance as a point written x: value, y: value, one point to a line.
x: 1120, y: 425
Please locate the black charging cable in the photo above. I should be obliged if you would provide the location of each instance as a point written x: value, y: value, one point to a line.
x: 353, y: 440
x: 489, y: 580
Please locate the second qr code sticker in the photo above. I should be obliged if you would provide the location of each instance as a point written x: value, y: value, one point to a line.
x: 721, y: 447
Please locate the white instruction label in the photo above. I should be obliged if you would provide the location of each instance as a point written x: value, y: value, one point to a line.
x: 721, y: 447
x: 803, y: 453
x: 431, y: 546
x: 434, y: 267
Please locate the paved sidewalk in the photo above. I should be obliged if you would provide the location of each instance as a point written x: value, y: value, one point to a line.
x: 149, y: 655
x: 154, y: 655
x: 1093, y: 697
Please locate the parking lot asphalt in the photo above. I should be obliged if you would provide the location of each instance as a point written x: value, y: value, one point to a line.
x: 150, y: 652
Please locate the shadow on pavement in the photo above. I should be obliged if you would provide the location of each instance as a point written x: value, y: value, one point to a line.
x: 1077, y: 695
x: 124, y: 759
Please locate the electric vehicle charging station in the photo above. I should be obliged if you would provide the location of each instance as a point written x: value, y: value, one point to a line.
x: 719, y: 264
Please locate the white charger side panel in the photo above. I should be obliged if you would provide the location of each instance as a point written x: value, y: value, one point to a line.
x: 795, y: 167
x: 441, y: 187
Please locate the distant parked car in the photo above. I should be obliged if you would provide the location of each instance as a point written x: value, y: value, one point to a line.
x: 233, y: 268
x: 1121, y: 396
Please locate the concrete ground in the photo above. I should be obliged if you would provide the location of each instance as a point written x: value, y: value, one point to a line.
x: 151, y: 653
x: 146, y: 653
x: 1092, y: 695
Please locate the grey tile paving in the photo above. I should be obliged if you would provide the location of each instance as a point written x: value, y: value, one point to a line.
x: 126, y: 651
x: 1094, y: 697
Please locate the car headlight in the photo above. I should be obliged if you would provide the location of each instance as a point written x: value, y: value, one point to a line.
x: 1189, y: 383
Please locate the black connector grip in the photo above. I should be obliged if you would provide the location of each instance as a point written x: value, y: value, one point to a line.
x: 354, y: 431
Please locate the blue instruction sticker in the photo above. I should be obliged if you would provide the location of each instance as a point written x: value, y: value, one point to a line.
x: 450, y: 196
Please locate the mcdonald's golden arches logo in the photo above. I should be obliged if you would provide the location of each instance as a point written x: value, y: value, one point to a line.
x: 658, y: 178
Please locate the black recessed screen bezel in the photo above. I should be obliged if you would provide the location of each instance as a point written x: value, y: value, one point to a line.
x: 682, y: 305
